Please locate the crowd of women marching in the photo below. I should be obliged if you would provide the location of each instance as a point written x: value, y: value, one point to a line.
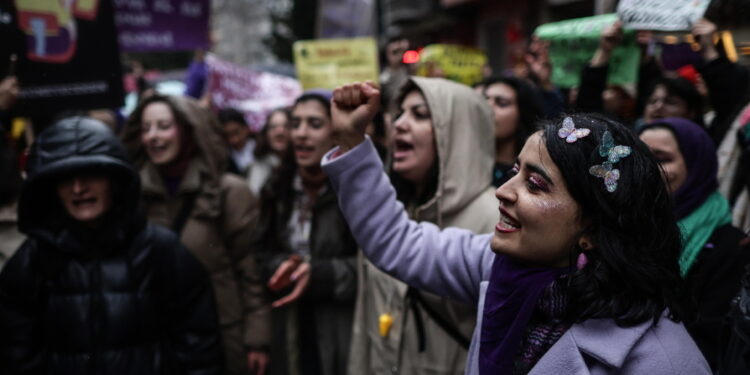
x: 415, y: 226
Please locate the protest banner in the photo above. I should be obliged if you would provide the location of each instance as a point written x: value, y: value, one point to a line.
x: 328, y: 63
x: 162, y: 25
x: 66, y: 56
x: 573, y: 43
x: 253, y: 93
x: 457, y: 63
x: 663, y: 15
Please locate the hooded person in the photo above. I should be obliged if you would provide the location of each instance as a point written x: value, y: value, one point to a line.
x: 94, y: 288
x: 443, y: 142
x: 181, y: 156
x: 712, y: 260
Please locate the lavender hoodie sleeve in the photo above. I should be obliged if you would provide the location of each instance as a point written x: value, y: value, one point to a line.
x: 451, y: 262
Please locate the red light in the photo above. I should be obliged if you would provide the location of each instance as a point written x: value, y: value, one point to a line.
x: 411, y: 57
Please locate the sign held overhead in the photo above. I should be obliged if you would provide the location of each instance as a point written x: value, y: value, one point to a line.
x: 663, y: 15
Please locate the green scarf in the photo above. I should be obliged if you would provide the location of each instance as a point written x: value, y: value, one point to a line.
x: 698, y: 227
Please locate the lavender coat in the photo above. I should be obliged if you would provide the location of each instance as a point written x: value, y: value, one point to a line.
x: 456, y: 263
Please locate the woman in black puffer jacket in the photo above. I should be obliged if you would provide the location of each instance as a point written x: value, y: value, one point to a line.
x: 95, y: 289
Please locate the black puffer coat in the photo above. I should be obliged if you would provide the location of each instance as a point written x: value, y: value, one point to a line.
x: 125, y: 298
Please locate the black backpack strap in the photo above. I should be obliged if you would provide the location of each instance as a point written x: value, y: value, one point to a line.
x: 418, y: 322
x: 181, y: 219
x: 449, y: 328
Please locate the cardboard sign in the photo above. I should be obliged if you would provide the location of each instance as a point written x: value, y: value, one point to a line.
x: 253, y: 93
x: 664, y: 15
x: 67, y: 56
x: 162, y: 25
x: 573, y: 43
x: 329, y: 63
x: 457, y: 63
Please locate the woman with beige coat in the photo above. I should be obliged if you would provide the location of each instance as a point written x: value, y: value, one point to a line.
x: 178, y: 147
x: 443, y: 151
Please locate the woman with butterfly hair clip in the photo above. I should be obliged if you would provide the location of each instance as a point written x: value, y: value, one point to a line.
x: 616, y: 310
x: 712, y: 260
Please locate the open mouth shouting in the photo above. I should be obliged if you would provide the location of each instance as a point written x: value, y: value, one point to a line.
x: 402, y: 149
x: 303, y: 151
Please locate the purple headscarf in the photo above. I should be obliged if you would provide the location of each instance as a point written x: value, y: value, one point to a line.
x: 701, y: 162
x: 511, y: 297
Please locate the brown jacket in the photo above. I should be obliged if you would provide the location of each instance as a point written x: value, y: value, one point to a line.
x: 218, y: 229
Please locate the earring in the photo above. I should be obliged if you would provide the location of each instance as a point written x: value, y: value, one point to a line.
x: 582, y: 261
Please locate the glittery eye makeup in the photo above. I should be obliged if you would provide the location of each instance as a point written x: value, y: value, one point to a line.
x: 537, y: 183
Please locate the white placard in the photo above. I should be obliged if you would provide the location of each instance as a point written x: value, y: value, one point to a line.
x: 664, y: 15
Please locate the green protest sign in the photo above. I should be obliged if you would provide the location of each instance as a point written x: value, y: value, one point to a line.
x: 573, y: 43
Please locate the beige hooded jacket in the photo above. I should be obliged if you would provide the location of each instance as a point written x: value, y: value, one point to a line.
x: 464, y: 135
x: 217, y: 231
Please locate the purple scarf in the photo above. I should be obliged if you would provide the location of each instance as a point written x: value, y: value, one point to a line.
x: 701, y: 162
x: 510, y: 300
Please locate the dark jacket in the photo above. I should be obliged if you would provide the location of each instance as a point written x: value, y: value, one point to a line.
x: 728, y: 86
x: 325, y: 310
x: 735, y: 354
x: 713, y: 281
x: 125, y: 298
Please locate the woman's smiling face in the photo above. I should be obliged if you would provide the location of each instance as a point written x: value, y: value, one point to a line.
x: 540, y: 222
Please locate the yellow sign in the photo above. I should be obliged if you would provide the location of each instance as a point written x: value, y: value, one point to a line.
x: 457, y: 63
x: 328, y: 63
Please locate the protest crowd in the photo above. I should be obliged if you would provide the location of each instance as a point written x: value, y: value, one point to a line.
x: 551, y: 218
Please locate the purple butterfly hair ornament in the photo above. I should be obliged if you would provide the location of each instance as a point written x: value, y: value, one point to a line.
x: 606, y: 172
x: 569, y: 133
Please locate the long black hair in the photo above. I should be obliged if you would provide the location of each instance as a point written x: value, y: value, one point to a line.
x: 633, y: 273
x: 528, y: 102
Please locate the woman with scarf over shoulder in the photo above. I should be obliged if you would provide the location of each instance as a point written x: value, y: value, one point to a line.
x: 177, y: 146
x: 581, y: 274
x: 712, y: 260
x: 307, y: 251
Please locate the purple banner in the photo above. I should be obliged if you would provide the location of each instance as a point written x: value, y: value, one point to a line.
x: 162, y: 25
x: 253, y: 93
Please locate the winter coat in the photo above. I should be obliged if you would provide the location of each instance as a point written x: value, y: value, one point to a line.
x: 457, y: 263
x: 260, y: 171
x: 317, y: 328
x: 464, y: 198
x: 124, y: 298
x: 735, y: 335
x: 217, y: 230
x: 728, y: 86
x: 714, y: 280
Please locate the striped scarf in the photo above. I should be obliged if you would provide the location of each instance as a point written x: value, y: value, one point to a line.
x: 544, y: 329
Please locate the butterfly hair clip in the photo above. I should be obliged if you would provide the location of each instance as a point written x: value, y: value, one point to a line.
x: 569, y: 133
x: 610, y: 175
x: 609, y: 150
